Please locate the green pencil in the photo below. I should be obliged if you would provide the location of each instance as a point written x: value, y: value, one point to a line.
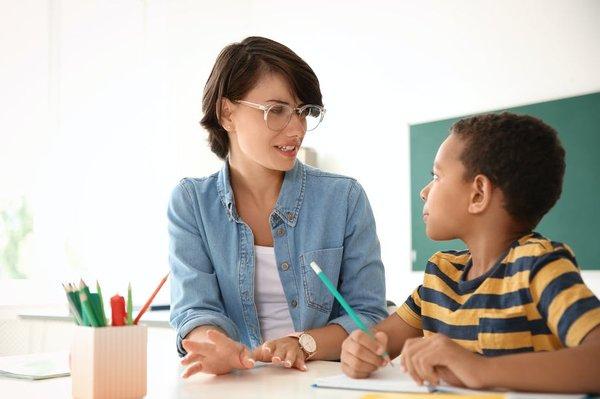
x: 353, y: 315
x: 99, y: 291
x: 74, y: 310
x: 129, y: 306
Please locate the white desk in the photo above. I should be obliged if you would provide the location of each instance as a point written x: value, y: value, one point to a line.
x: 164, y: 381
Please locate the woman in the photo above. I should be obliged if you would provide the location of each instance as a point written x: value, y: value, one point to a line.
x: 242, y: 239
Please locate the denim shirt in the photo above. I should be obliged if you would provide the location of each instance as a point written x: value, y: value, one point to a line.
x: 318, y: 217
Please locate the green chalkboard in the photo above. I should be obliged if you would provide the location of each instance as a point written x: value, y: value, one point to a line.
x: 574, y: 220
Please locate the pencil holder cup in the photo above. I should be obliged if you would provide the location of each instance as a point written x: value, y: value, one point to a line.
x: 109, y: 362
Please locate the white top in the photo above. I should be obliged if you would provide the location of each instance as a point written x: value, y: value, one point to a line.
x: 271, y: 305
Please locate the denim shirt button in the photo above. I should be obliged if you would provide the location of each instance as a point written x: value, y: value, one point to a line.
x: 280, y: 232
x: 285, y: 266
x: 290, y: 216
x: 294, y: 303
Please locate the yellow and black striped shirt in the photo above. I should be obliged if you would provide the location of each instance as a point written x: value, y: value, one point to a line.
x: 532, y: 300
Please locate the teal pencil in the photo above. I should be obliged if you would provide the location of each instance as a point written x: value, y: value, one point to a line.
x: 85, y: 289
x: 345, y: 304
x: 99, y: 291
x: 129, y: 306
x: 86, y: 306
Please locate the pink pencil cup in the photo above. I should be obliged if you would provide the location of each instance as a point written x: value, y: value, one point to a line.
x: 109, y: 362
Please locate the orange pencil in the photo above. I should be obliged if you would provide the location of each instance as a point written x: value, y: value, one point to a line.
x: 149, y: 301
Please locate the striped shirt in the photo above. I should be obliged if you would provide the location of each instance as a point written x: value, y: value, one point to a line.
x: 532, y: 300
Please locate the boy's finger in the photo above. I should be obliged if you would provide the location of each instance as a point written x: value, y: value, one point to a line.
x: 382, y: 339
x: 358, y: 365
x: 368, y: 342
x: 364, y: 354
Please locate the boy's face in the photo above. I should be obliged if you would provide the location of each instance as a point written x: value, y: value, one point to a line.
x: 446, y: 197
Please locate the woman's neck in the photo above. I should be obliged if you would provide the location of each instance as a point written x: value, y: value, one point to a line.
x: 252, y: 180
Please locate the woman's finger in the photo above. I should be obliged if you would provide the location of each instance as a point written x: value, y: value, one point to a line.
x: 191, y: 358
x: 193, y: 369
x: 300, y: 363
x: 290, y: 356
x: 244, y: 359
x: 279, y: 354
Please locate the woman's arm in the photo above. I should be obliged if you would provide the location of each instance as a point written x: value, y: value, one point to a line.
x: 195, y: 292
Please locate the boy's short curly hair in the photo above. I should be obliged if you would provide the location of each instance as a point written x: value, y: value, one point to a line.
x: 238, y: 68
x: 521, y: 155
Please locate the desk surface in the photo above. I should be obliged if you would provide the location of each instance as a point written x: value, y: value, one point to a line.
x: 164, y: 381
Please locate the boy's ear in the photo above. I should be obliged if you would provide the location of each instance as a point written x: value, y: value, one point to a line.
x: 481, y: 194
x: 225, y: 115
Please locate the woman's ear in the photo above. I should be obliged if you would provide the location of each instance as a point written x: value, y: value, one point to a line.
x: 481, y: 194
x: 225, y: 118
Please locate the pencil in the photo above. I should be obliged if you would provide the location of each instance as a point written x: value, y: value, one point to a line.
x: 149, y: 301
x: 353, y: 315
x: 129, y: 306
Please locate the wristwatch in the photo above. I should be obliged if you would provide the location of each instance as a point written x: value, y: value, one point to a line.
x: 307, y: 343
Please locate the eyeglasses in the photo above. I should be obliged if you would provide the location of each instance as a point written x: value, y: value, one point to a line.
x: 278, y: 116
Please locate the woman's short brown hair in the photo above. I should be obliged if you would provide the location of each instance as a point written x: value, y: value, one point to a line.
x: 238, y: 68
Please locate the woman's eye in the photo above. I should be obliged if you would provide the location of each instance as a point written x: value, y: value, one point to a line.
x: 277, y: 109
x: 434, y: 176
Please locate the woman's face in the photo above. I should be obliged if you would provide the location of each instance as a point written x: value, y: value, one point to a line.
x: 251, y: 141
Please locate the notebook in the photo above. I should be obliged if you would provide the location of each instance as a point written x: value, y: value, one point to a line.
x: 36, y: 366
x: 386, y: 379
x: 392, y: 379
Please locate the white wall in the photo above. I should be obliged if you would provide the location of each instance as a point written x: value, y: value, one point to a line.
x: 121, y: 82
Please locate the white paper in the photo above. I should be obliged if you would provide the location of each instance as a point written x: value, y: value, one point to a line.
x: 386, y: 379
x: 35, y: 366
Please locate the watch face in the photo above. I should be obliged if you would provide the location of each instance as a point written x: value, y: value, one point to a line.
x: 308, y: 343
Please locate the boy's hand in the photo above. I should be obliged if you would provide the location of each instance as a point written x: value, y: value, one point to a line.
x: 220, y: 356
x: 361, y: 355
x: 428, y: 360
x: 285, y: 351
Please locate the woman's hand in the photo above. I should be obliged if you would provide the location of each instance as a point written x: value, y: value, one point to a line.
x: 285, y: 351
x: 429, y: 360
x: 219, y: 356
x: 361, y: 355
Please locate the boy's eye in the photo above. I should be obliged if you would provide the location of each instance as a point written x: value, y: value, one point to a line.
x: 434, y: 176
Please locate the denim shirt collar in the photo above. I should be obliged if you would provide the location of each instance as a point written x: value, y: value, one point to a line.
x: 290, y: 198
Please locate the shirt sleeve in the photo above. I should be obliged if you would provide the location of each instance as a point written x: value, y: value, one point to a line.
x: 195, y: 294
x: 410, y: 311
x: 568, y: 306
x: 362, y: 274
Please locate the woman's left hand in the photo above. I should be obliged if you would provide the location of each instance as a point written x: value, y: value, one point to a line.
x: 285, y: 351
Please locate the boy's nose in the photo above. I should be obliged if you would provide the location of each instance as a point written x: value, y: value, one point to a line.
x: 424, y: 192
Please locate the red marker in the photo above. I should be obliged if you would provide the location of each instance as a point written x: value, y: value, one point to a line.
x: 117, y: 305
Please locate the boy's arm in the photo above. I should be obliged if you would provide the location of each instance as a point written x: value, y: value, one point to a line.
x: 566, y: 370
x: 398, y: 331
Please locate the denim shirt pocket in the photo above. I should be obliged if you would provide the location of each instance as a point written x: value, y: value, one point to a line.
x: 330, y: 261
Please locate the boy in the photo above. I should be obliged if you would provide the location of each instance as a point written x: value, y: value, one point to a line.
x: 514, y: 296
